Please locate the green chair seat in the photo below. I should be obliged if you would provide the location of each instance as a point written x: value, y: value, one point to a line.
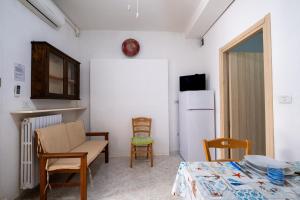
x: 141, y: 140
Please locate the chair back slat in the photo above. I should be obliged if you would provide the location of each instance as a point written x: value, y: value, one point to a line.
x: 226, y: 143
x: 141, y: 125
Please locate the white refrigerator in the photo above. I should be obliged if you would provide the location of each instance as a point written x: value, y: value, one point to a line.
x: 196, y: 122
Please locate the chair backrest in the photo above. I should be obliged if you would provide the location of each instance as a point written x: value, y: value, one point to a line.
x: 226, y: 143
x: 141, y: 126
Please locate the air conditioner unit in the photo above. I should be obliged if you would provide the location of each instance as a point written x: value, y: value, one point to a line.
x: 47, y: 11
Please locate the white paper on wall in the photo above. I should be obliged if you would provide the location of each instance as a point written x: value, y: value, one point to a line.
x: 19, y: 72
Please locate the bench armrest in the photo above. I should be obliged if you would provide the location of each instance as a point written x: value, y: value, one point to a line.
x: 105, y: 134
x: 64, y: 155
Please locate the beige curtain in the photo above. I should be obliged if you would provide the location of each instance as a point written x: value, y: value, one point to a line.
x: 246, y: 97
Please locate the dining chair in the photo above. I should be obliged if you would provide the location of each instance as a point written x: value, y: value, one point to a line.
x: 141, y: 140
x: 226, y: 143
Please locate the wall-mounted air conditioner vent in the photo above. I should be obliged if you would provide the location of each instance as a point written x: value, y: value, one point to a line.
x: 47, y: 11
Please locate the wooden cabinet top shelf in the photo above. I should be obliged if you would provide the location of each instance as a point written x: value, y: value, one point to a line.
x: 54, y: 48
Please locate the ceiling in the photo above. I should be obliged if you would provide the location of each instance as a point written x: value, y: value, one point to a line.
x: 155, y: 15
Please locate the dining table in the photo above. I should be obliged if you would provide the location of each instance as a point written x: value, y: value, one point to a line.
x: 226, y: 180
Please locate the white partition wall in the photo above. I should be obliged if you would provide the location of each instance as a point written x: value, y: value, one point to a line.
x: 124, y: 88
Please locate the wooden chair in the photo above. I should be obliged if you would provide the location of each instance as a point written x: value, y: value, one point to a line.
x: 141, y: 129
x: 226, y: 143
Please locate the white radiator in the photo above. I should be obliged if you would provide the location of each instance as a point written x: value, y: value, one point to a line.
x: 29, y: 162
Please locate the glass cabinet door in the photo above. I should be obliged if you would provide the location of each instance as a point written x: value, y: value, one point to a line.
x: 71, y: 78
x: 56, y: 74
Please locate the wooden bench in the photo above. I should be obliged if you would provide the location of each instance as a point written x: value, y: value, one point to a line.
x: 64, y: 148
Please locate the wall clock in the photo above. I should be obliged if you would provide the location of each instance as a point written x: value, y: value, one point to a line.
x: 130, y: 47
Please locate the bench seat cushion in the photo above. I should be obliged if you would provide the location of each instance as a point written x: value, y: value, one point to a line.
x: 93, y: 147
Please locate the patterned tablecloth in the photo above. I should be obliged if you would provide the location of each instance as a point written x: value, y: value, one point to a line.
x: 215, y: 180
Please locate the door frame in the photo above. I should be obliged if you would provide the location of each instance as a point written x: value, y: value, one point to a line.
x: 263, y: 25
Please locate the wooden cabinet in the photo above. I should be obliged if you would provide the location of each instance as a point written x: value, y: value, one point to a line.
x: 54, y: 74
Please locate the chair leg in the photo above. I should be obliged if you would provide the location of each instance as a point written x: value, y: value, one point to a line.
x: 106, y: 154
x: 83, y: 184
x: 135, y: 152
x: 43, y: 179
x: 131, y: 155
x: 151, y: 154
x: 147, y: 152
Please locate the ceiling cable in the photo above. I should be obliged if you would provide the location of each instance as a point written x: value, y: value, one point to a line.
x: 137, y: 9
x: 129, y: 6
x: 217, y: 19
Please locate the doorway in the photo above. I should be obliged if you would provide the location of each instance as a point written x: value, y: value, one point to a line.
x: 246, y: 89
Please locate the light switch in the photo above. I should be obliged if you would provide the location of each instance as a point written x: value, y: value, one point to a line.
x: 17, y: 90
x: 285, y: 99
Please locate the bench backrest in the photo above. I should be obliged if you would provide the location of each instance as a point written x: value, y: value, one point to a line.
x: 76, y: 133
x: 62, y: 137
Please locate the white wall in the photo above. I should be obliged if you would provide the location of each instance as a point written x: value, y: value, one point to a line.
x: 18, y: 28
x: 125, y: 88
x: 182, y: 54
x: 285, y: 22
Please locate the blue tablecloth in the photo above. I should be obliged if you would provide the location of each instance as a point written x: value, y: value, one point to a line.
x: 216, y: 180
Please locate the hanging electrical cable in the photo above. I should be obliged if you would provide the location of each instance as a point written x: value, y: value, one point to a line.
x: 129, y: 5
x: 137, y: 14
x: 137, y: 9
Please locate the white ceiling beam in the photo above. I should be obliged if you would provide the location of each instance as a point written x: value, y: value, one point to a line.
x: 205, y: 16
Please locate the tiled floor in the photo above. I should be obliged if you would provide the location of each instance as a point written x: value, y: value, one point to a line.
x: 116, y: 181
